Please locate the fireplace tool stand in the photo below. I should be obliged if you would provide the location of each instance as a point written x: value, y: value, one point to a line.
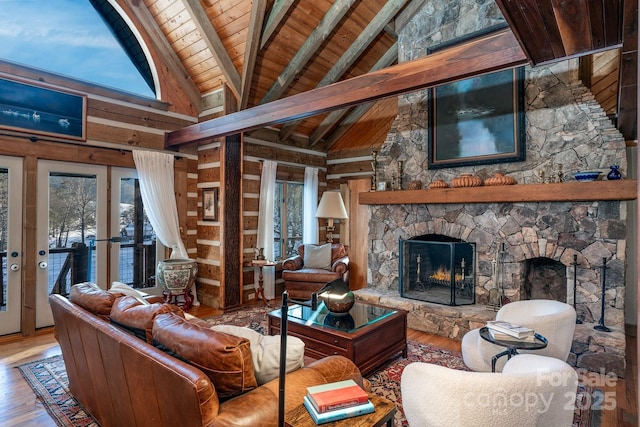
x: 498, y: 299
x: 601, y: 326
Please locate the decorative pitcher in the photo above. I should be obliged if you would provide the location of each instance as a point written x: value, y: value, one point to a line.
x: 614, y: 173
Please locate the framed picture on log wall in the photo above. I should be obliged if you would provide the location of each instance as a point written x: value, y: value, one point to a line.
x: 42, y: 110
x: 210, y: 204
x: 479, y: 120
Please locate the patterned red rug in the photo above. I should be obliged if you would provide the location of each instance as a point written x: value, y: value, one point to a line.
x: 48, y: 377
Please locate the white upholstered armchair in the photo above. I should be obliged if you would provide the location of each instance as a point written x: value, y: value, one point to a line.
x: 554, y: 320
x: 531, y: 391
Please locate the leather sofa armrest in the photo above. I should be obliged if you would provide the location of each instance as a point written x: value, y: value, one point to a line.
x: 341, y: 265
x: 294, y: 263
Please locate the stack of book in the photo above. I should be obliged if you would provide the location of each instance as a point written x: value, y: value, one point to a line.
x: 336, y: 401
x: 505, y: 331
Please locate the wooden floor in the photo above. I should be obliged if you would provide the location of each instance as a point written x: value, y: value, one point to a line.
x: 18, y: 406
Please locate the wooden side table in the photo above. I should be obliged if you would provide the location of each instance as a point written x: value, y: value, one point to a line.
x: 383, y: 415
x: 260, y: 291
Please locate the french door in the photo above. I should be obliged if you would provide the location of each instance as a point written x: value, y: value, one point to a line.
x: 71, y: 242
x: 135, y: 250
x: 10, y: 243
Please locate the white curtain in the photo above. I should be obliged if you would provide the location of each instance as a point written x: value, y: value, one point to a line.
x: 155, y: 174
x: 310, y: 204
x: 265, y: 225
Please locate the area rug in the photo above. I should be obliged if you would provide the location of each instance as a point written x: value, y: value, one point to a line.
x: 48, y: 379
x: 49, y: 382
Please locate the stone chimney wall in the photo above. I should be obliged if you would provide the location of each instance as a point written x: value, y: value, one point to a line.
x: 565, y: 130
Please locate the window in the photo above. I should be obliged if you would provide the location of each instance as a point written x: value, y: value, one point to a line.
x: 70, y: 38
x: 287, y: 219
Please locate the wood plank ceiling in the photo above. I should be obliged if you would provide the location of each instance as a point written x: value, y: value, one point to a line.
x: 266, y: 50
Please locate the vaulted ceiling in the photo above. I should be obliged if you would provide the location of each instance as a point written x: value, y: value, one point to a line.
x: 267, y: 50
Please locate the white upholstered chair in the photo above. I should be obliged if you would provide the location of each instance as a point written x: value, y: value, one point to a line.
x: 532, y: 390
x: 554, y: 320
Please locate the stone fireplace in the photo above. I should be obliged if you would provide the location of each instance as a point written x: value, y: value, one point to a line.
x: 526, y: 249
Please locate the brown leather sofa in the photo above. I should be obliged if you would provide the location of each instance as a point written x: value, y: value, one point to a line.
x: 300, y: 282
x: 124, y: 381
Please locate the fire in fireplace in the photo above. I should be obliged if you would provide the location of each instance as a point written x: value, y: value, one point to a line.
x: 437, y: 268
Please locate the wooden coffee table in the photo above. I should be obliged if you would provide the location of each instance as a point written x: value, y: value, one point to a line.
x: 369, y: 335
x: 383, y: 415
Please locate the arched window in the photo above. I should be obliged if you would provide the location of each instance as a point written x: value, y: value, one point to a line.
x: 84, y: 40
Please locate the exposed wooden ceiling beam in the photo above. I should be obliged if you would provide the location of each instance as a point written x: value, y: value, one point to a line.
x: 277, y: 14
x: 308, y: 49
x: 212, y: 39
x: 174, y: 64
x: 258, y: 8
x: 549, y: 30
x: 360, y: 44
x: 334, y: 117
x: 628, y: 83
x: 493, y: 52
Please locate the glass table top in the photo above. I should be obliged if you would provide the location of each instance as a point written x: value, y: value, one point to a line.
x: 359, y: 316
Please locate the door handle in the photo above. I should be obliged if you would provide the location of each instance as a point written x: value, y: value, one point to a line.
x: 43, y: 264
x: 14, y: 267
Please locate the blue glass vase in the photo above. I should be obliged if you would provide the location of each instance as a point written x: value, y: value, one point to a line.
x: 614, y: 173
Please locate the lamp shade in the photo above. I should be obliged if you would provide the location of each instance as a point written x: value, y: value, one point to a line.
x: 331, y: 206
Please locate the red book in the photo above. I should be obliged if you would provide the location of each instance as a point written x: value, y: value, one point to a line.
x: 338, y: 395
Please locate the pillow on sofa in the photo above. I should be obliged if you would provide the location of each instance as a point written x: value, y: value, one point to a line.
x: 265, y: 351
x: 124, y: 289
x: 92, y: 298
x: 224, y: 358
x: 137, y: 318
x: 317, y: 256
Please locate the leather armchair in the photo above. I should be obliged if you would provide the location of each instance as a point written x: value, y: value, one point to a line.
x: 300, y: 282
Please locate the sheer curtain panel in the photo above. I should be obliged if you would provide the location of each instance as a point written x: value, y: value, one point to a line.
x: 265, y: 225
x: 155, y: 173
x: 310, y: 204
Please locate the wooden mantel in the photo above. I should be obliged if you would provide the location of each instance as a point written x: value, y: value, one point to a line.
x: 560, y: 192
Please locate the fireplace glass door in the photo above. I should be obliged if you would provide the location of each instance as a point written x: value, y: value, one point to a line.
x: 442, y: 272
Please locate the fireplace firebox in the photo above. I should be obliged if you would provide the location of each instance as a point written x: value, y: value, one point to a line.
x: 438, y: 269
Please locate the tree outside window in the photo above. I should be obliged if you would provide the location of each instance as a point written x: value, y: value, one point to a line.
x: 287, y: 219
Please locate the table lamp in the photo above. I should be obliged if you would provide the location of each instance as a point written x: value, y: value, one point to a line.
x: 331, y: 207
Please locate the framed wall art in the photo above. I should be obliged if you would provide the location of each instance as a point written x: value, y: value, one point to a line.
x: 479, y: 120
x: 41, y: 110
x: 210, y: 204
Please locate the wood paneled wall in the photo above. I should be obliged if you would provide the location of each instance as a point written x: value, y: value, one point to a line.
x: 208, y: 232
x: 291, y: 164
